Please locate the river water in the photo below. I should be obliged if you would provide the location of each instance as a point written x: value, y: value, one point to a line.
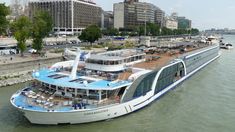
x: 203, y: 103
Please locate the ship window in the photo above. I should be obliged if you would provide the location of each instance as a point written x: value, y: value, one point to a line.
x: 129, y: 59
x: 60, y: 88
x: 136, y: 58
x: 145, y: 85
x: 132, y: 59
x: 168, y: 76
x: 57, y: 76
x: 106, y: 63
x: 53, y: 86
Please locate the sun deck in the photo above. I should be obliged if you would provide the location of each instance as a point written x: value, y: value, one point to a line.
x: 155, y: 61
x: 91, y: 82
x: 158, y: 60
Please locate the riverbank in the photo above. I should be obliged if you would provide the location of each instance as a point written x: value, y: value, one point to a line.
x: 15, y: 79
x: 16, y: 69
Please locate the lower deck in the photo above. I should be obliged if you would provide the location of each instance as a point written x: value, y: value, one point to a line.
x: 39, y: 98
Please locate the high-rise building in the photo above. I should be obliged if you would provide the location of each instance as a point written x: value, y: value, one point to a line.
x: 69, y: 16
x: 132, y: 13
x: 108, y: 19
x: 119, y: 15
x: 184, y: 23
x: 18, y: 8
x: 159, y: 17
x: 174, y: 15
x: 131, y: 1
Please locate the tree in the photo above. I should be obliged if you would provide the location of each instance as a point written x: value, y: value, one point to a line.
x: 128, y: 44
x: 140, y: 30
x: 4, y: 11
x: 167, y: 31
x: 110, y: 32
x: 194, y: 31
x: 91, y: 34
x: 153, y: 29
x: 22, y: 29
x: 42, y: 25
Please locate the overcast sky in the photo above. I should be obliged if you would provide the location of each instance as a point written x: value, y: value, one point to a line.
x: 204, y: 14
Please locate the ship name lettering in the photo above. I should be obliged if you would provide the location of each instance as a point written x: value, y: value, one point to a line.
x: 96, y: 112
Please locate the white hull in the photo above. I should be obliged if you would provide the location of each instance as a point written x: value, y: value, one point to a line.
x: 226, y: 47
x: 229, y: 47
x: 99, y: 114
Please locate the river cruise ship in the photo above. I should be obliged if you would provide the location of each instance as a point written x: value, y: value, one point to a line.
x: 101, y: 86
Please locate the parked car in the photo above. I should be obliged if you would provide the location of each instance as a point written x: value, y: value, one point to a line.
x: 32, y: 51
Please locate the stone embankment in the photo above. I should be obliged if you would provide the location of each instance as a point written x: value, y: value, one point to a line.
x: 15, y: 79
x: 20, y: 70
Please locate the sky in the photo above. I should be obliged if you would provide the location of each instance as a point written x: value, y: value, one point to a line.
x: 205, y: 14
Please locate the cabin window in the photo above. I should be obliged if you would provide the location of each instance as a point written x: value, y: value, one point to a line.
x: 53, y: 86
x: 111, y: 62
x: 140, y: 57
x: 132, y: 59
x: 136, y: 58
x: 106, y: 63
x: 100, y: 62
x: 60, y: 88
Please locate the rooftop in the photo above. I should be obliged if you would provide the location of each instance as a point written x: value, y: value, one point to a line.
x: 88, y: 2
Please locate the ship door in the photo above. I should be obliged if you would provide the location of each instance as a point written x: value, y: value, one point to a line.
x: 181, y: 73
x: 122, y: 90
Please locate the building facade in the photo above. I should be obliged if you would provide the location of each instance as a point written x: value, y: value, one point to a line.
x: 170, y: 23
x: 132, y: 13
x: 159, y: 17
x: 107, y: 21
x: 69, y: 16
x: 184, y: 23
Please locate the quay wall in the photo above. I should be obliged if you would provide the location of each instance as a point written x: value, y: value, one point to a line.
x: 19, y: 72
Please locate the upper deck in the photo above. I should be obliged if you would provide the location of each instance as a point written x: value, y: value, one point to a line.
x: 114, y: 61
x: 156, y: 59
x: 86, y: 80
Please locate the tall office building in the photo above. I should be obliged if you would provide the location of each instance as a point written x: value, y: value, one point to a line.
x: 108, y: 19
x: 184, y: 23
x: 159, y: 17
x: 69, y: 16
x: 132, y: 13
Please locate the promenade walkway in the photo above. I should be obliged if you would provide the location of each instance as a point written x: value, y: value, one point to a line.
x: 10, y: 59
